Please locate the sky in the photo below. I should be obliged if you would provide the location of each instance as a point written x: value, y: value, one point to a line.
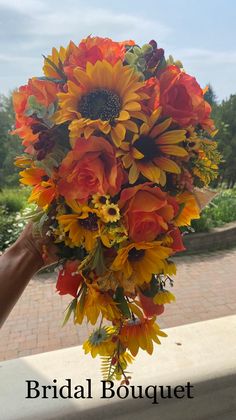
x: 201, y: 33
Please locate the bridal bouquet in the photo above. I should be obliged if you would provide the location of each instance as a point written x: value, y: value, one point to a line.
x: 118, y: 140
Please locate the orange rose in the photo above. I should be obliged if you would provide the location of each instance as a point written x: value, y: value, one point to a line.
x: 182, y: 98
x: 147, y: 211
x: 90, y: 168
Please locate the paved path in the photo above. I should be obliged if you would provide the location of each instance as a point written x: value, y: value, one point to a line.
x: 205, y: 288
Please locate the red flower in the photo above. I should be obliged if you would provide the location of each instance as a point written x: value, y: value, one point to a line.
x: 67, y: 282
x: 150, y: 308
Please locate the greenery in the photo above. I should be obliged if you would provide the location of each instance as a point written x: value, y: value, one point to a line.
x: 220, y: 211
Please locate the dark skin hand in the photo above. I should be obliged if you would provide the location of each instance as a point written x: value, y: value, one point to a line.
x: 18, y: 265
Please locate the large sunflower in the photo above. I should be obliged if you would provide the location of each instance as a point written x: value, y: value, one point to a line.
x: 139, y: 261
x: 104, y: 98
x: 151, y: 150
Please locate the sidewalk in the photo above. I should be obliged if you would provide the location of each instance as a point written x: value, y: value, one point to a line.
x: 205, y: 288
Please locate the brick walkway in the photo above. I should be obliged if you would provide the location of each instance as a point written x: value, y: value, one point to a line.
x: 205, y: 288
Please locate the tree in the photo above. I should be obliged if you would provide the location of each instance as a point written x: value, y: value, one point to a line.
x: 10, y: 146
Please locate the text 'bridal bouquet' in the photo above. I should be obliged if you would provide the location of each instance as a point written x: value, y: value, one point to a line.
x: 117, y: 144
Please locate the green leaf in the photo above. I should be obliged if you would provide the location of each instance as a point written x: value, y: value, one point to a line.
x: 122, y: 302
x: 82, y: 298
x: 130, y: 58
x: 98, y: 263
x: 71, y: 308
x: 53, y: 65
x: 51, y: 79
x: 146, y: 49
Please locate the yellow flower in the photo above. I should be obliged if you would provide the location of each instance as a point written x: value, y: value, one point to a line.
x: 110, y: 213
x: 139, y: 261
x: 150, y: 151
x: 83, y: 229
x: 55, y: 60
x: 100, y: 342
x: 163, y: 297
x: 140, y: 334
x: 105, y: 98
x: 99, y: 200
x: 96, y: 303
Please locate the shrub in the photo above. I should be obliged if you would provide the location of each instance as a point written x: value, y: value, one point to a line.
x: 10, y: 227
x: 220, y: 211
x: 13, y: 200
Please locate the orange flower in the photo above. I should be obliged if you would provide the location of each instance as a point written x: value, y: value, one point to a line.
x: 44, y: 190
x: 90, y: 168
x: 190, y: 209
x: 90, y: 49
x: 147, y: 211
x: 44, y: 93
x: 152, y: 89
x: 140, y: 334
x: 68, y: 280
x: 182, y: 98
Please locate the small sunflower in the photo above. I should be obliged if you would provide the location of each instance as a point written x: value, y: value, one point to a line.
x: 110, y: 213
x: 99, y: 200
x: 100, y: 342
x: 151, y: 150
x: 139, y: 261
x: 105, y: 98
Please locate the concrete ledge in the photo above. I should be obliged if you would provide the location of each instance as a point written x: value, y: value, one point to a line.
x: 203, y: 354
x: 216, y: 239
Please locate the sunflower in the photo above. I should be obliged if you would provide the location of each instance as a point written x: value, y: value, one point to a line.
x: 110, y: 213
x: 139, y: 261
x: 100, y: 342
x: 83, y: 228
x: 96, y: 303
x: 150, y: 151
x: 99, y: 200
x: 104, y: 98
x: 44, y: 190
x: 140, y: 333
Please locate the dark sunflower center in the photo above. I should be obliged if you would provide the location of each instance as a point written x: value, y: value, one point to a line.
x: 90, y: 223
x: 112, y: 211
x: 136, y: 254
x: 102, y: 200
x: 100, y: 104
x: 146, y: 145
